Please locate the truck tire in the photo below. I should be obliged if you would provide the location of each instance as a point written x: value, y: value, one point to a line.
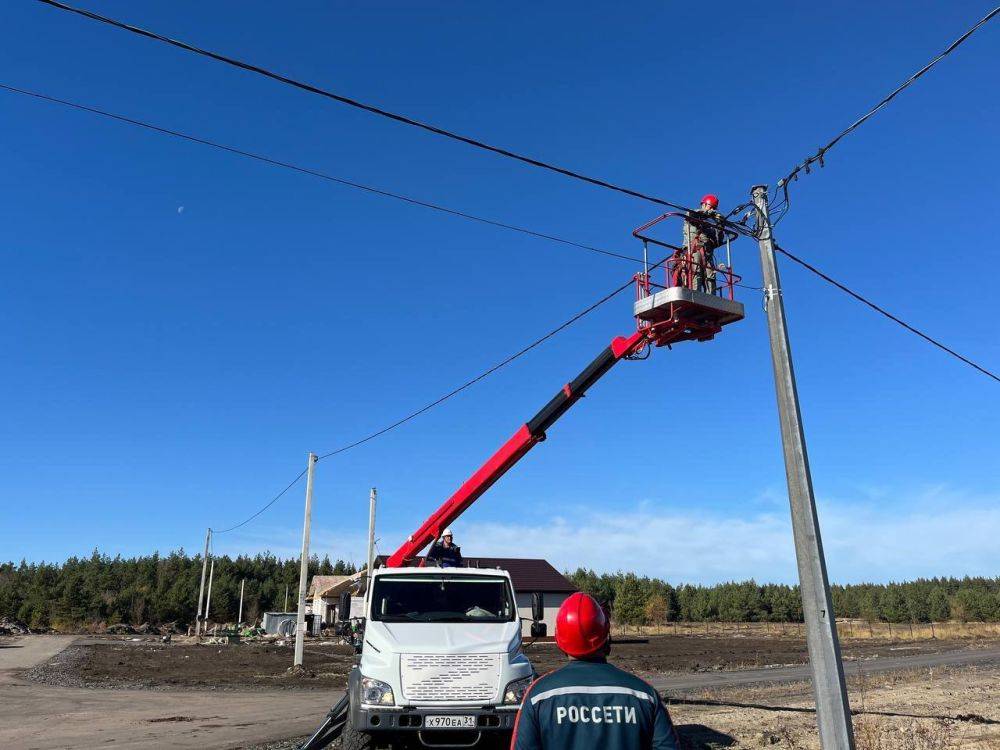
x: 352, y: 739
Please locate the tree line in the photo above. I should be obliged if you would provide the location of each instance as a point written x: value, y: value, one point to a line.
x: 164, y: 588
x: 636, y: 600
x: 150, y: 589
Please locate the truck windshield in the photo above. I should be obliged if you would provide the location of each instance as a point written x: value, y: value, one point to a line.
x: 442, y: 598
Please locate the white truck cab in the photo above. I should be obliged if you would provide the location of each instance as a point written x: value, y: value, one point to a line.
x: 441, y: 661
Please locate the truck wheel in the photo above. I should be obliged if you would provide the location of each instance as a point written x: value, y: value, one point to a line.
x: 352, y: 739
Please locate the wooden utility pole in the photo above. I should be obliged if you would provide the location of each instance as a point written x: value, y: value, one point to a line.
x: 371, y: 540
x: 201, y: 590
x: 833, y: 711
x: 239, y: 617
x: 300, y: 621
x: 208, y: 601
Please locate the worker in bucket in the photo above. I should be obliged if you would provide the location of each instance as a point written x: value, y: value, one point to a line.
x: 589, y: 703
x: 703, y: 233
x: 444, y: 553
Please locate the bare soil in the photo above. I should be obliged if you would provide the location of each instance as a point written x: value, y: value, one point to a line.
x: 940, y: 709
x: 152, y: 665
x: 936, y: 709
x: 128, y: 665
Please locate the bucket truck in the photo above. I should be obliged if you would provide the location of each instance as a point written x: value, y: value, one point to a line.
x: 441, y: 661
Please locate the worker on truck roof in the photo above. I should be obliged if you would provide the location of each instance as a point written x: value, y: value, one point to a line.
x: 703, y: 233
x: 589, y: 703
x: 444, y: 553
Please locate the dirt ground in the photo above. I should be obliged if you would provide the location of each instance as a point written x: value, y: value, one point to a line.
x: 125, y: 664
x: 937, y: 709
x: 259, y: 707
x: 940, y: 709
x: 144, y: 665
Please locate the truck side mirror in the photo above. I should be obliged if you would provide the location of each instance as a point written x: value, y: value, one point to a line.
x: 344, y: 608
x: 537, y: 606
x: 539, y: 630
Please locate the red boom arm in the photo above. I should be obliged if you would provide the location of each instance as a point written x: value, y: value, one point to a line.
x: 513, y: 450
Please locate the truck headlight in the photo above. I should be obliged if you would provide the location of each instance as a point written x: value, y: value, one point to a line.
x: 376, y: 693
x: 515, y: 691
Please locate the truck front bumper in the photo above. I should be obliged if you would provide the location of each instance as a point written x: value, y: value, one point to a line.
x: 411, y: 719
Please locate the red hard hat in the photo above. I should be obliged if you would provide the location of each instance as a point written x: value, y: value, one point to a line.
x: 582, y: 626
x: 712, y: 200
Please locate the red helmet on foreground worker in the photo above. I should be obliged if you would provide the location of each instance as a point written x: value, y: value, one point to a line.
x: 711, y: 200
x: 582, y: 626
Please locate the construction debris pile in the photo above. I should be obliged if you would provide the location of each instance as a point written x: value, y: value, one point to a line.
x: 121, y: 628
x: 10, y: 626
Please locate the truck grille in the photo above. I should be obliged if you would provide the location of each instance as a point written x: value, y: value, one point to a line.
x: 449, y: 677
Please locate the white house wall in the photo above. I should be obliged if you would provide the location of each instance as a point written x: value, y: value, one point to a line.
x: 552, y: 602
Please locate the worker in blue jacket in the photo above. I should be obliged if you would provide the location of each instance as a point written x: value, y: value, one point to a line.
x: 589, y: 703
x: 444, y: 553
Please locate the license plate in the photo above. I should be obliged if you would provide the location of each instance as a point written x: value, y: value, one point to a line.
x: 450, y: 722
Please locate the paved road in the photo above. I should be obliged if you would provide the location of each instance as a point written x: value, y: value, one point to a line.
x: 42, y: 717
x: 680, y: 682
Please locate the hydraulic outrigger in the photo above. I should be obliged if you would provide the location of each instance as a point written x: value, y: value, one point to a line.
x: 666, y: 313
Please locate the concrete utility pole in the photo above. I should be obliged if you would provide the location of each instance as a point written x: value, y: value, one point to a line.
x: 285, y: 609
x: 239, y: 617
x: 371, y: 541
x: 201, y: 591
x: 833, y: 711
x: 300, y: 621
x: 208, y: 601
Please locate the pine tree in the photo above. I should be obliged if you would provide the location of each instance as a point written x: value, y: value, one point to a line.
x: 629, y: 600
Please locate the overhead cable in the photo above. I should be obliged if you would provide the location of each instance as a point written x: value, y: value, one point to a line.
x: 315, y: 173
x: 437, y: 402
x: 886, y: 313
x: 362, y: 105
x: 269, y: 503
x: 332, y: 178
x: 820, y: 155
x: 485, y: 373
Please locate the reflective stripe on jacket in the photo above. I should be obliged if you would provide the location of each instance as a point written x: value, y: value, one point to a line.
x: 592, y: 704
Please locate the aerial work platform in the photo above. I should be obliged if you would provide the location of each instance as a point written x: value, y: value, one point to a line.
x: 694, y: 300
x: 700, y: 314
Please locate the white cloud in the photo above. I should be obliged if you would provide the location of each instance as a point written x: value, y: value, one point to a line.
x: 871, y: 537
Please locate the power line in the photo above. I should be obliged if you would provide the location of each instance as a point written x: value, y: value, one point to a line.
x: 469, y: 383
x: 484, y: 374
x: 861, y: 120
x: 362, y: 105
x: 314, y: 172
x: 338, y: 180
x: 886, y: 313
x: 271, y: 502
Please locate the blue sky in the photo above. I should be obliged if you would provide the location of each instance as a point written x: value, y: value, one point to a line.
x: 181, y: 326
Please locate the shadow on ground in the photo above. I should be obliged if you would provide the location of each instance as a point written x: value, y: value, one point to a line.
x: 700, y: 737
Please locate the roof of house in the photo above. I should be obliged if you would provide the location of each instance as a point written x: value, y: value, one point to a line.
x: 328, y: 585
x: 527, y: 574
